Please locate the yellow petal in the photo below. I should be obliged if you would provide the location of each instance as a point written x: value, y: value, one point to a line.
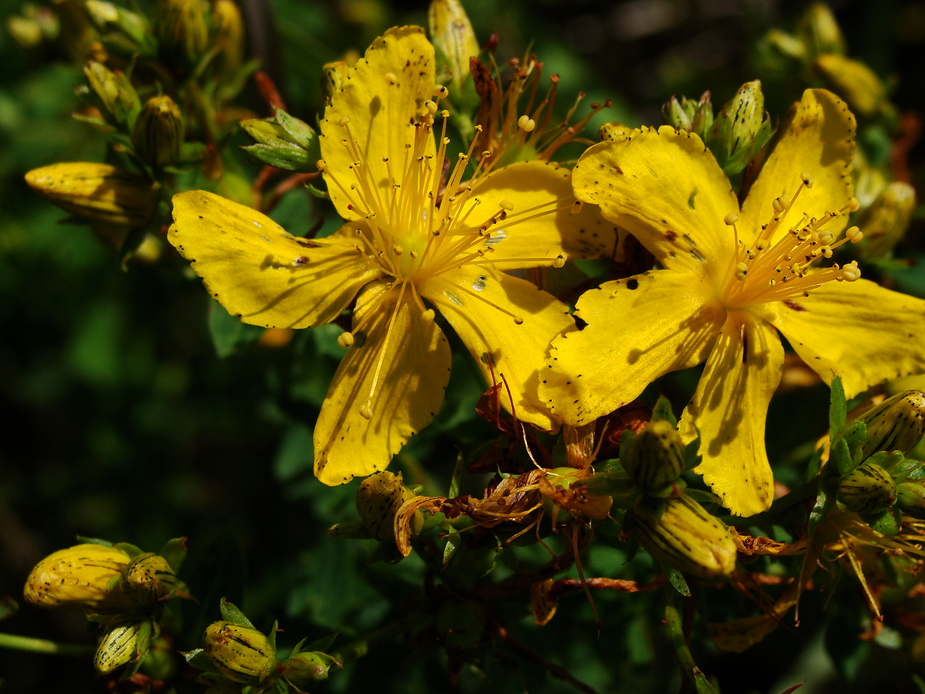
x: 484, y: 307
x: 858, y: 330
x: 817, y: 140
x: 260, y: 272
x: 730, y: 408
x: 379, y: 102
x: 394, y: 374
x: 543, y: 221
x: 638, y: 329
x: 665, y: 188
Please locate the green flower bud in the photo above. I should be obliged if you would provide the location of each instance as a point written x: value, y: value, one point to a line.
x: 148, y: 578
x: 288, y: 143
x: 675, y: 115
x: 122, y: 643
x: 885, y: 222
x: 819, y: 30
x: 896, y: 424
x: 84, y: 576
x: 378, y: 500
x: 180, y: 26
x: 229, y: 37
x: 98, y: 192
x: 656, y: 456
x: 689, y: 114
x: 910, y: 497
x: 742, y: 128
x: 685, y: 537
x: 240, y: 653
x: 867, y: 490
x: 116, y: 98
x: 307, y: 667
x: 158, y: 133
x: 128, y: 30
x: 454, y: 40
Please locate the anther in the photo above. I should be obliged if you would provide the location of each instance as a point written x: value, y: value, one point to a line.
x: 731, y: 219
x: 854, y: 205
x: 807, y: 179
x: 854, y: 234
x: 321, y: 165
x: 779, y: 205
x: 741, y: 271
x: 850, y: 272
x: 431, y: 106
x: 576, y: 206
x: 441, y: 92
x: 397, y: 250
x: 390, y: 77
x: 428, y: 315
x: 559, y: 261
x: 366, y: 412
x: 526, y: 123
x: 301, y: 260
x: 345, y: 340
x: 518, y: 320
x: 343, y: 120
x: 506, y: 205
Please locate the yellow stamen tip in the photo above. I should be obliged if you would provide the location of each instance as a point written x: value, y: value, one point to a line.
x: 344, y: 120
x: 851, y: 272
x: 397, y: 250
x: 526, y: 123
x: 428, y: 316
x: 518, y: 320
x: 854, y: 205
x: 576, y: 207
x: 731, y: 219
x: 431, y: 106
x: 391, y: 77
x: 366, y: 413
x: 321, y: 165
x: 345, y: 340
x: 807, y: 179
x: 854, y: 234
x: 779, y: 205
x: 441, y: 92
x: 559, y: 261
x: 506, y: 205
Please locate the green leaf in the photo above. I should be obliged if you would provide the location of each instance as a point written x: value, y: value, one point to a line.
x: 230, y: 613
x: 229, y: 334
x: 677, y: 580
x: 825, y: 500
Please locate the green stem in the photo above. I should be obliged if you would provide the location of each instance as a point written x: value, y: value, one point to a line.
x: 676, y: 632
x: 26, y: 643
x: 360, y: 647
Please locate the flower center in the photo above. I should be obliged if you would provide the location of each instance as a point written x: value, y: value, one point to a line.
x: 786, y: 269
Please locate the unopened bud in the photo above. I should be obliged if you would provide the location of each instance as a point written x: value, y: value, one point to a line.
x: 896, y: 424
x: 307, y: 667
x: 148, y: 578
x: 675, y: 115
x: 378, y: 500
x: 741, y: 130
x: 656, y: 456
x: 885, y: 222
x: 229, y: 38
x: 180, y: 26
x: 84, y: 576
x: 115, y: 97
x: 910, y: 497
x: 241, y: 653
x: 128, y: 30
x: 686, y: 537
x: 286, y: 143
x: 819, y: 30
x: 454, y: 40
x: 98, y: 192
x: 158, y: 133
x: 867, y: 490
x: 853, y: 81
x: 122, y: 643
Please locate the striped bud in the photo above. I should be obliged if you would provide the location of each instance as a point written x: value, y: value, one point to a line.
x: 692, y: 115
x: 98, y: 192
x: 886, y: 220
x: 307, y: 667
x: 229, y: 37
x: 158, y: 133
x: 378, y: 500
x: 122, y: 643
x: 743, y: 128
x: 240, y: 653
x: 454, y: 40
x: 148, y: 578
x: 867, y: 490
x: 896, y: 424
x: 84, y: 576
x: 910, y: 497
x: 686, y: 537
x: 656, y: 456
x: 180, y: 26
x: 116, y: 98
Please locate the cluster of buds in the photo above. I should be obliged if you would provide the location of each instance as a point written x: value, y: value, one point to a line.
x: 283, y: 141
x: 119, y: 586
x: 238, y: 657
x: 734, y: 135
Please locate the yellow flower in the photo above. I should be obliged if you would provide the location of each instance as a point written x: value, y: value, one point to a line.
x: 731, y: 278
x: 414, y: 234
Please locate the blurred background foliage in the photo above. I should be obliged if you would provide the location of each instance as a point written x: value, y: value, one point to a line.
x: 120, y: 421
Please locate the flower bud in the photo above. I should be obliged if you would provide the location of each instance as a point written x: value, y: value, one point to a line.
x: 741, y: 130
x: 84, y: 576
x: 896, y: 424
x: 686, y: 537
x: 856, y: 83
x: 240, y: 653
x: 819, y: 30
x: 128, y: 30
x: 867, y: 490
x: 656, y: 456
x: 307, y: 667
x: 158, y: 133
x: 98, y: 192
x: 689, y: 114
x: 288, y: 143
x: 885, y: 222
x: 148, y: 578
x: 378, y: 500
x: 229, y: 37
x: 910, y: 497
x: 116, y: 98
x: 122, y: 643
x: 180, y: 26
x: 675, y: 115
x: 454, y: 40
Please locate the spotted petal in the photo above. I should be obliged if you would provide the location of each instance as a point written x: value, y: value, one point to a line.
x: 858, y: 330
x: 730, y: 408
x: 665, y: 188
x: 481, y: 305
x: 260, y: 272
x: 379, y: 103
x: 395, y: 374
x: 637, y: 330
x: 818, y: 139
